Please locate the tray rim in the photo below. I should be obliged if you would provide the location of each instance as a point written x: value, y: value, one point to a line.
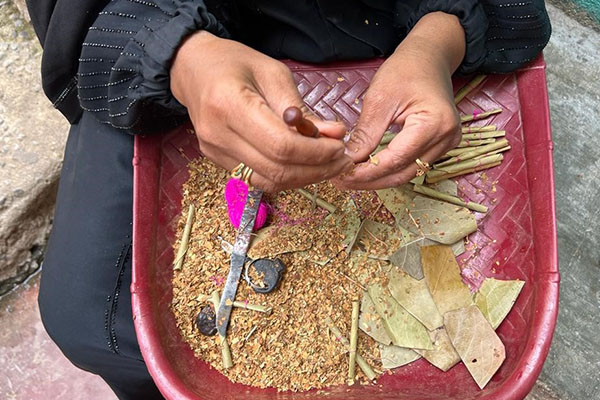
x: 519, y: 383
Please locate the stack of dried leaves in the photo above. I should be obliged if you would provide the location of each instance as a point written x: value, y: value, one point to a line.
x: 437, y: 317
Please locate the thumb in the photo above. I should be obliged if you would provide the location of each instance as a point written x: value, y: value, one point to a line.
x: 376, y: 115
x: 332, y: 129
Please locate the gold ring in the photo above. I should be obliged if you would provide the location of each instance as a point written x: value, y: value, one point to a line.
x: 242, y: 172
x: 237, y: 171
x: 423, y: 167
x: 246, y: 175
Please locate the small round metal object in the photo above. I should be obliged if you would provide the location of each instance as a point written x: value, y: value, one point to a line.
x: 206, y: 321
x: 270, y: 271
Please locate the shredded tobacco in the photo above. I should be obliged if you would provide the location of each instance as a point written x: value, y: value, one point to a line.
x: 290, y: 349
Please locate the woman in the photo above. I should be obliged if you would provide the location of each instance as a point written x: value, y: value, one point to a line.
x: 128, y: 66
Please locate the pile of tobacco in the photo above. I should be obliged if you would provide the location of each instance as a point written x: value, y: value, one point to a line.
x: 370, y: 280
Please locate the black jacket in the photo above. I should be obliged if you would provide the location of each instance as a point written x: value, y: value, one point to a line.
x: 112, y: 58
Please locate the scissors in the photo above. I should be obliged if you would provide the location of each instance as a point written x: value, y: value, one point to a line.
x: 270, y: 269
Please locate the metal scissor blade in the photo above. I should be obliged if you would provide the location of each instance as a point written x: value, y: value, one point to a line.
x: 238, y: 259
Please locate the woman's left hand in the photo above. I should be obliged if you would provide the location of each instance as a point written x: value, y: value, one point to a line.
x: 413, y: 88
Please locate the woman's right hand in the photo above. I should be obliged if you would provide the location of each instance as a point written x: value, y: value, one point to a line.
x: 235, y: 97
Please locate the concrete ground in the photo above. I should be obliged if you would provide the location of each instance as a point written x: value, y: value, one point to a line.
x: 33, y: 368
x: 573, y: 57
x: 32, y: 139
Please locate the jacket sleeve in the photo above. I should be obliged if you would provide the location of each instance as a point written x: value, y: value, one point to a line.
x: 123, y: 76
x: 501, y: 35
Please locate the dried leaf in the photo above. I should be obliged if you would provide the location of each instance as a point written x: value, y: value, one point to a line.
x: 394, y: 356
x: 418, y: 180
x: 326, y: 241
x: 496, y: 298
x: 408, y: 258
x: 372, y: 268
x: 480, y: 349
x: 396, y: 199
x: 379, y: 240
x: 404, y: 329
x: 442, y: 275
x: 458, y: 248
x: 370, y: 322
x: 406, y: 235
x: 350, y: 219
x: 437, y: 220
x: 447, y: 186
x: 353, y: 240
x: 291, y: 235
x: 443, y: 354
x: 414, y: 296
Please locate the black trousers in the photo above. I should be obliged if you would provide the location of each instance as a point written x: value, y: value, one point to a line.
x: 84, y: 297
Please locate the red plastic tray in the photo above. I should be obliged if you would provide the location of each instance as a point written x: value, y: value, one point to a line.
x: 516, y: 239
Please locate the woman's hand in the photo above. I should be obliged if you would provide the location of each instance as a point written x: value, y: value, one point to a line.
x: 413, y: 88
x: 235, y: 97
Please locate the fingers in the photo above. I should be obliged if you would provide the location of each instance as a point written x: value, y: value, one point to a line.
x: 280, y: 92
x: 396, y: 164
x: 265, y: 130
x: 270, y: 176
x: 332, y: 129
x: 237, y: 125
x: 393, y: 179
x: 377, y: 114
